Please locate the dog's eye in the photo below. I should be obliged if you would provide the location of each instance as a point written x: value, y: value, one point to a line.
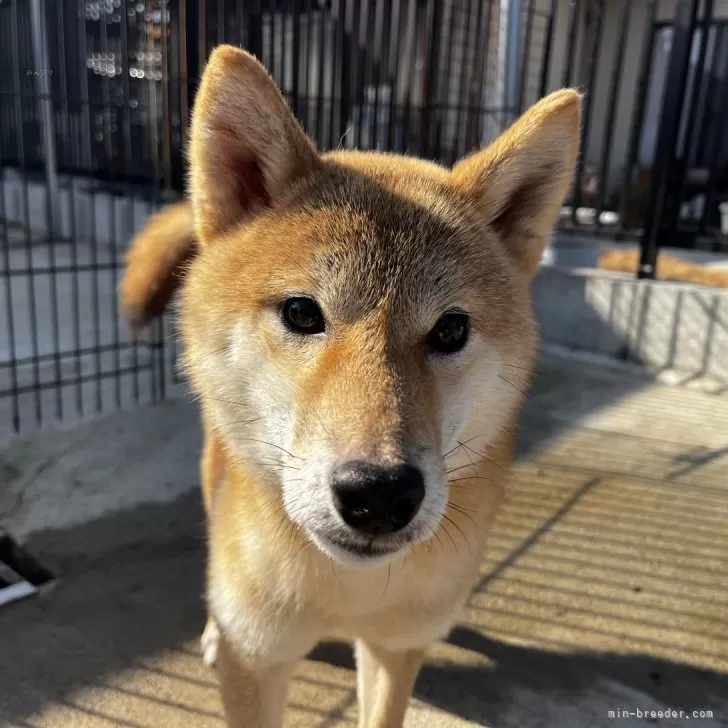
x: 303, y: 316
x: 450, y: 333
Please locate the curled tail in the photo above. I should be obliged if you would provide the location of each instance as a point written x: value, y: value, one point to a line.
x: 155, y: 264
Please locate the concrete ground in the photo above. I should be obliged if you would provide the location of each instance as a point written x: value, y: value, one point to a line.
x: 605, y: 587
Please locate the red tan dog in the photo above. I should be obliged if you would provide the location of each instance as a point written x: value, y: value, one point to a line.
x: 345, y: 318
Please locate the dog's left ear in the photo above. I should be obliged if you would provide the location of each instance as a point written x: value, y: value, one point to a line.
x: 246, y: 146
x: 520, y: 180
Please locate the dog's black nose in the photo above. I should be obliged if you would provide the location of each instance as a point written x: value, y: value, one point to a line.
x: 376, y: 500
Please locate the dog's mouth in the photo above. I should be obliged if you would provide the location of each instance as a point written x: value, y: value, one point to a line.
x: 368, y: 549
x: 356, y: 552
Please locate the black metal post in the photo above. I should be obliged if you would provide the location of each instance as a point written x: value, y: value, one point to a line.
x: 431, y: 69
x: 675, y: 87
x: 546, y: 60
x: 593, y: 57
x: 573, y: 34
x: 524, y: 59
x: 394, y: 113
x: 614, y: 84
x: 639, y: 111
x: 716, y: 140
x: 684, y: 154
x: 348, y: 45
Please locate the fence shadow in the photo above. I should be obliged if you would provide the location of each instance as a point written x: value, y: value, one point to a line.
x: 522, y: 684
x: 130, y: 586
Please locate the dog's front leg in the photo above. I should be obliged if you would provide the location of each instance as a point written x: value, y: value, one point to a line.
x: 253, y: 697
x: 385, y: 680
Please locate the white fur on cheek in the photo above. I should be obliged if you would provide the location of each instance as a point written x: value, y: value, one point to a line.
x: 478, y: 401
x: 473, y: 391
x: 254, y: 405
x: 249, y: 399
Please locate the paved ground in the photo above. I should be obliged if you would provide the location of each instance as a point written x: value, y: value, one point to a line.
x: 605, y: 587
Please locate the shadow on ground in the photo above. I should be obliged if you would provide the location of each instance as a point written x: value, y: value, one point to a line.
x: 523, y: 686
x: 130, y: 586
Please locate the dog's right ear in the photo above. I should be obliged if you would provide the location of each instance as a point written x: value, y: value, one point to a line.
x: 246, y: 145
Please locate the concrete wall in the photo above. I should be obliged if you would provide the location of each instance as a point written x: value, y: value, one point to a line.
x: 664, y: 326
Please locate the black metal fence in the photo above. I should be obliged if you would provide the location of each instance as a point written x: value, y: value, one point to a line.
x: 95, y: 96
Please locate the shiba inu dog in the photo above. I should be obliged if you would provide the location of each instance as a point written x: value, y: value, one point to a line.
x: 345, y: 318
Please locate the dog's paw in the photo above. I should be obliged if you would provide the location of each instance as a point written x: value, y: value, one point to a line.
x: 209, y: 642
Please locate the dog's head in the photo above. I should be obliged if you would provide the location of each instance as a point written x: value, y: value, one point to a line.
x: 347, y: 312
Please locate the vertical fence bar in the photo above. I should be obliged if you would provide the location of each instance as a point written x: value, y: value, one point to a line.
x: 347, y: 49
x: 513, y: 39
x: 43, y: 73
x: 52, y: 206
x: 201, y: 37
x: 410, y: 52
x: 393, y: 74
x: 220, y: 21
x: 337, y: 41
x: 174, y: 39
x: 638, y: 114
x: 431, y: 67
x: 593, y: 54
x: 444, y: 88
x: 712, y: 92
x: 670, y: 117
x: 273, y: 65
x: 152, y: 109
x: 483, y: 113
x: 366, y: 57
x: 239, y: 23
x: 150, y: 195
x: 166, y: 171
x: 19, y: 97
x: 111, y: 192
x: 474, y: 70
x: 478, y: 80
x: 574, y: 13
x: 166, y: 111
x: 321, y: 79
x: 714, y: 148
x: 612, y: 102
x: 87, y: 115
x: 547, y: 49
x: 9, y: 307
x: 183, y: 75
x: 307, y: 65
x: 526, y: 47
x: 383, y: 30
x: 296, y: 56
x: 683, y: 157
x: 75, y: 293
x: 126, y: 135
x: 461, y: 103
